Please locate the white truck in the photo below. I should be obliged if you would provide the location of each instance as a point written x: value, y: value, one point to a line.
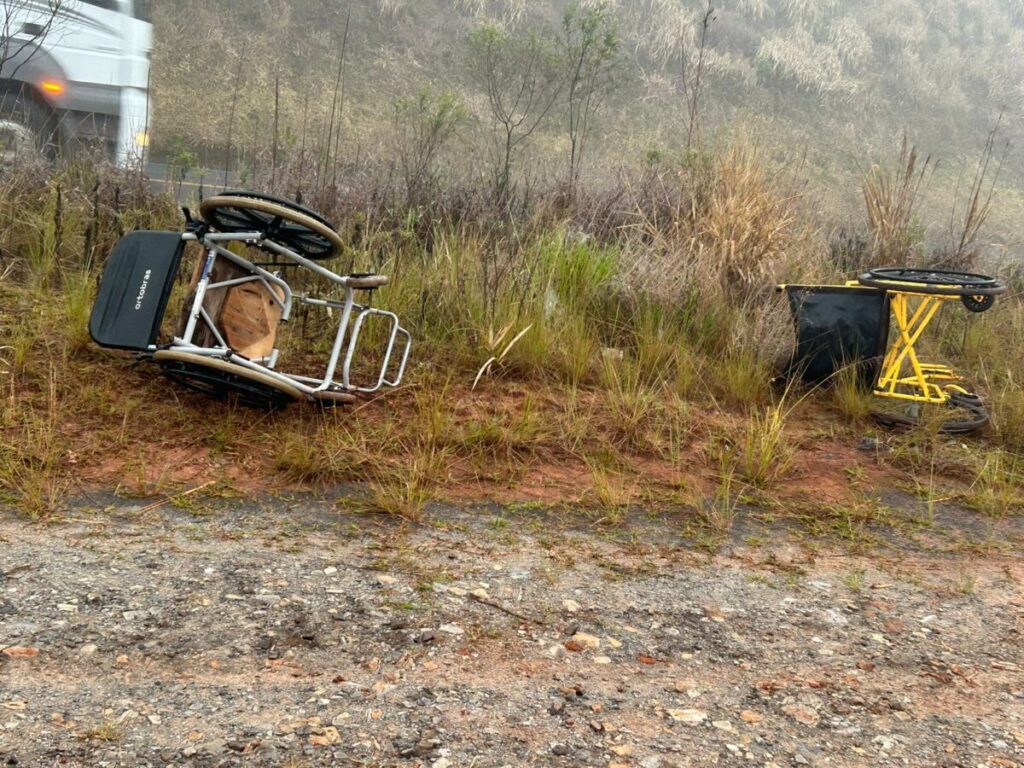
x: 72, y: 73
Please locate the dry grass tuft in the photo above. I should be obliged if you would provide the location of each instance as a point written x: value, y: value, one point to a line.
x: 765, y: 454
x: 850, y: 397
x: 720, y: 230
x: 890, y: 198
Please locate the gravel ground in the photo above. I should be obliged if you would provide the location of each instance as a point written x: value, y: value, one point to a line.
x: 290, y: 632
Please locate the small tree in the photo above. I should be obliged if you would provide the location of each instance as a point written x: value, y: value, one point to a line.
x: 520, y: 76
x: 423, y: 125
x: 691, y: 82
x: 24, y: 25
x: 589, y: 40
x: 181, y: 161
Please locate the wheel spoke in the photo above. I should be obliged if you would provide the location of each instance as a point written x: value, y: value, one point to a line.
x: 304, y: 236
x: 228, y: 218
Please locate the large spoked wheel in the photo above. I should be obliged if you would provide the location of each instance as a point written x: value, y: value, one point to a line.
x: 964, y: 414
x: 281, y: 221
x: 938, y: 282
x: 223, y: 380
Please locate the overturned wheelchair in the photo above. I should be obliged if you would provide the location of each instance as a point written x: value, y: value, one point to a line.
x: 226, y: 339
x: 848, y: 327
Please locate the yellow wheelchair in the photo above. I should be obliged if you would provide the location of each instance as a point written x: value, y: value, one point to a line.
x: 850, y: 325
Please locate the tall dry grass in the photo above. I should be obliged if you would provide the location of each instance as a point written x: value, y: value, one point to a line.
x: 727, y: 224
x: 636, y: 306
x: 891, y: 196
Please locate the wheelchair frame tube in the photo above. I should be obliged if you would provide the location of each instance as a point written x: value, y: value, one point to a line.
x: 339, y: 339
x: 911, y: 322
x: 211, y: 242
x: 197, y: 303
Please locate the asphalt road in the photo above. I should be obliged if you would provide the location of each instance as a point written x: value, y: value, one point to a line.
x: 162, y: 177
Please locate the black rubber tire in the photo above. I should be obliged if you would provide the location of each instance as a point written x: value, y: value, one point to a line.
x: 285, y: 222
x: 22, y: 110
x: 978, y: 303
x: 937, y: 282
x: 223, y: 386
x: 960, y: 426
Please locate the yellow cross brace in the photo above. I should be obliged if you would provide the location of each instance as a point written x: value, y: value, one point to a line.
x: 919, y: 382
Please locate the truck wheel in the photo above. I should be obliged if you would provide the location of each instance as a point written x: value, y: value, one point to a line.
x: 27, y: 130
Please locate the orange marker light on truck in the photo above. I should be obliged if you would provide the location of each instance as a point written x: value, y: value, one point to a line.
x: 52, y: 86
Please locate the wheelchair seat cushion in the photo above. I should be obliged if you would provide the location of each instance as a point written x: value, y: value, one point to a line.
x: 134, y: 289
x: 249, y: 318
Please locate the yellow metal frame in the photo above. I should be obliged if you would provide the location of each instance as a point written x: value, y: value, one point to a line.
x: 903, y: 376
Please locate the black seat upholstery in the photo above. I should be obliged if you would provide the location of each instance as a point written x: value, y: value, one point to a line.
x: 133, y: 292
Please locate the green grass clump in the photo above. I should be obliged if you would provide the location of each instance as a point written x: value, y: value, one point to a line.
x: 765, y: 453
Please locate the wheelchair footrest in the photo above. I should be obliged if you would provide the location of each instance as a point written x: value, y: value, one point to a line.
x: 395, y: 330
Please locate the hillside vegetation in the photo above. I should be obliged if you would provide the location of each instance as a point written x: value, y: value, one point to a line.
x: 827, y: 84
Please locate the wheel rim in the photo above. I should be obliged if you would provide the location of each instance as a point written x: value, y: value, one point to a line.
x: 221, y: 385
x: 219, y: 379
x: 971, y: 416
x: 937, y: 281
x: 932, y: 276
x: 284, y: 202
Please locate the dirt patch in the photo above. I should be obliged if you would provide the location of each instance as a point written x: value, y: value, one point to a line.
x: 491, y: 450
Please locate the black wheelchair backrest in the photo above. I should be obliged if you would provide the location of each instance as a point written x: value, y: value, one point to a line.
x: 133, y: 292
x: 838, y: 326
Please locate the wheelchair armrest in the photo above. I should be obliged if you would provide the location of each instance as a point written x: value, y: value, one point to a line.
x: 367, y: 282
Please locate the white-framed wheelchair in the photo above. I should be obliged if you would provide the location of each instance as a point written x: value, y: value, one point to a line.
x: 226, y: 341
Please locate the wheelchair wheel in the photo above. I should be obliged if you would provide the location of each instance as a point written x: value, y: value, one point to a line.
x: 978, y: 303
x: 936, y: 282
x: 221, y: 380
x: 281, y: 221
x: 967, y: 414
